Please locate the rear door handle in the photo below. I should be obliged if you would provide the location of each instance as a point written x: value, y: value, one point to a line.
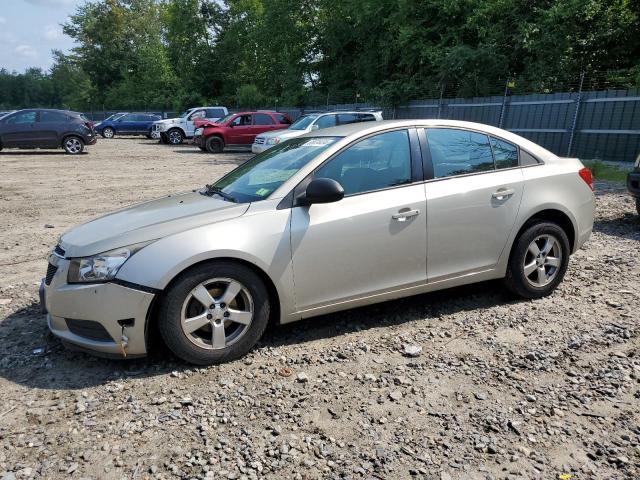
x: 402, y: 215
x: 503, y: 193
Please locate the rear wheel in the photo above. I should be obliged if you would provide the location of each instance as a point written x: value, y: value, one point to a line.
x: 73, y: 145
x: 637, y: 199
x: 108, y: 132
x: 175, y: 136
x: 214, y: 313
x: 214, y: 145
x: 538, y: 261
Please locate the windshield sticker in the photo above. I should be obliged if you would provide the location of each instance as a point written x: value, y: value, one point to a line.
x: 261, y: 192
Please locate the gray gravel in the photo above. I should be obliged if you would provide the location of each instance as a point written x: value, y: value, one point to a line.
x: 462, y: 384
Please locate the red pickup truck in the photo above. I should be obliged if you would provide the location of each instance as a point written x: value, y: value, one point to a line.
x: 237, y: 129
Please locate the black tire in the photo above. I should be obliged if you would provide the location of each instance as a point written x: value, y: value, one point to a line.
x: 73, y: 145
x: 108, y: 132
x: 637, y: 199
x: 203, y: 149
x: 215, y: 145
x: 169, y: 320
x: 516, y: 280
x: 175, y: 136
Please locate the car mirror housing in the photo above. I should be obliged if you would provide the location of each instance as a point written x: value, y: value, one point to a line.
x: 315, y: 126
x: 323, y: 190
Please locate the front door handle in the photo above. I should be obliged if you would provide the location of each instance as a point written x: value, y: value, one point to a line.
x: 402, y: 215
x: 503, y: 193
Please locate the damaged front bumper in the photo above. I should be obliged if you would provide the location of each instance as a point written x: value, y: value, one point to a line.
x: 104, y: 318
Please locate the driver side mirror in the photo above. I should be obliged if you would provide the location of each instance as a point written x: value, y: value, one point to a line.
x: 315, y: 126
x: 322, y: 190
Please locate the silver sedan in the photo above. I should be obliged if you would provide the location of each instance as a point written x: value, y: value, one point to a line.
x: 335, y: 219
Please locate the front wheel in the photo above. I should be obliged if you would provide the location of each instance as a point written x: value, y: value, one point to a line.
x: 175, y: 136
x: 108, y: 132
x: 538, y: 261
x: 214, y: 145
x: 73, y: 145
x: 214, y: 313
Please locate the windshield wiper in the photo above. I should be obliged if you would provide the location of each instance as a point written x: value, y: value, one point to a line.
x: 212, y: 189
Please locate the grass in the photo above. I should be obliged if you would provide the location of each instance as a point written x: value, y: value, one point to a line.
x: 605, y: 171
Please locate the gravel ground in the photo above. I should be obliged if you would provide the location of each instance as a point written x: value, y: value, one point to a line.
x: 462, y: 384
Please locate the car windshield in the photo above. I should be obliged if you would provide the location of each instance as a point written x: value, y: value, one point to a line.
x: 303, y: 122
x: 225, y: 119
x: 185, y: 113
x: 259, y: 177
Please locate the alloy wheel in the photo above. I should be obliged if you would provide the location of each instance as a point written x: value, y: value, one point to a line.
x: 108, y: 133
x: 217, y: 313
x: 175, y: 137
x: 73, y: 145
x: 543, y: 260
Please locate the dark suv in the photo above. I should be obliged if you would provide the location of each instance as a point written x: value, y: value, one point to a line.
x: 45, y: 128
x: 127, y: 124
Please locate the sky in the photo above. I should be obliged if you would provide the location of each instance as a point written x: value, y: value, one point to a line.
x: 30, y: 29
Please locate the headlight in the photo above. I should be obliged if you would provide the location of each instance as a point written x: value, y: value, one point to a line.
x: 638, y: 162
x: 198, y: 131
x: 273, y: 141
x: 101, y: 267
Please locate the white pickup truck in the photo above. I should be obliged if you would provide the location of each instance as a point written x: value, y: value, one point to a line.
x: 175, y: 130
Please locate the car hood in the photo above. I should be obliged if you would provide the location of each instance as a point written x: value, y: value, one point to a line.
x: 148, y: 221
x: 284, y: 134
x: 168, y: 121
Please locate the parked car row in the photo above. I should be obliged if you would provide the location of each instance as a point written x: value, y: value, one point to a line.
x: 125, y: 123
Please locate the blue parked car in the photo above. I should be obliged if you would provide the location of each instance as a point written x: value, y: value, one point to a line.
x: 127, y: 124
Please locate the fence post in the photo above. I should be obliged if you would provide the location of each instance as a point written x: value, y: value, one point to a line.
x: 575, y: 116
x: 504, y: 103
x: 440, y: 100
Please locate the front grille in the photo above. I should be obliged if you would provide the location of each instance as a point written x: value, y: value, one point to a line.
x: 88, y: 329
x: 259, y: 141
x: 51, y: 271
x: 59, y: 251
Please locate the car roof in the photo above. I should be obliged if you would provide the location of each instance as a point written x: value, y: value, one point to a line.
x: 364, y: 128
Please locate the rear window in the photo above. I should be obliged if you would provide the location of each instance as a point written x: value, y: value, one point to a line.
x: 366, y: 117
x: 345, y: 118
x: 283, y: 119
x: 262, y: 119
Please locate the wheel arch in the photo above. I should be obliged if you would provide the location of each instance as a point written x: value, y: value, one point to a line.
x: 555, y: 215
x: 67, y: 135
x: 274, y: 296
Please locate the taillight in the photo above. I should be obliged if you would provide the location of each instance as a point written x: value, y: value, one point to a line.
x: 587, y: 176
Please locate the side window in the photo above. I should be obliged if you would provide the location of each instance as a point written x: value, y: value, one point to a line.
x: 22, y: 117
x: 197, y: 114
x: 326, y: 121
x: 52, y: 117
x: 129, y: 117
x: 242, y: 120
x: 505, y: 154
x: 366, y: 117
x: 456, y: 152
x: 215, y: 113
x: 345, y: 118
x: 262, y: 119
x: 283, y: 119
x: 371, y: 164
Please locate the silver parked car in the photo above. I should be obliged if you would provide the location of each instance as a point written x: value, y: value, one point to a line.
x: 337, y: 218
x: 309, y: 123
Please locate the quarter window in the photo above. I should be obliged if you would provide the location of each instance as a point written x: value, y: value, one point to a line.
x: 505, y: 154
x: 262, y: 119
x: 345, y: 118
x: 457, y: 152
x: 283, y: 119
x: 377, y: 162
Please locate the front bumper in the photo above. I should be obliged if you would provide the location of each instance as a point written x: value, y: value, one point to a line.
x: 255, y: 148
x: 633, y: 183
x: 200, y: 141
x: 91, y: 316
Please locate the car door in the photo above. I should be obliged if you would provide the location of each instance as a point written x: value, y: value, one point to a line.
x: 241, y: 130
x: 20, y: 130
x: 373, y: 240
x: 261, y: 123
x: 126, y: 125
x: 189, y: 127
x: 472, y: 200
x: 51, y: 125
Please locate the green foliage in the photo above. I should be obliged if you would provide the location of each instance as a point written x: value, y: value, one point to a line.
x: 165, y: 54
x: 606, y: 171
